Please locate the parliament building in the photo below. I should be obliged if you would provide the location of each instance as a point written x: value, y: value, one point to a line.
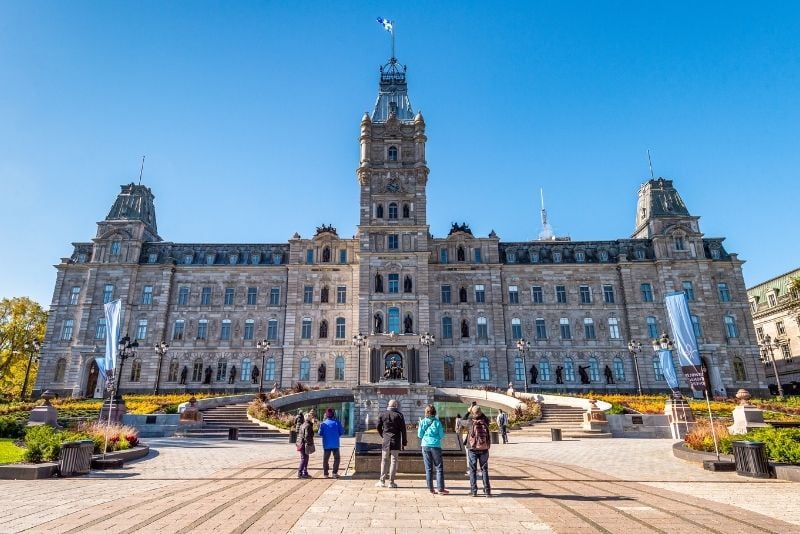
x: 576, y: 304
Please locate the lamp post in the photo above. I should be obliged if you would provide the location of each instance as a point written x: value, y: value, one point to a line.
x: 359, y: 340
x: 522, y: 346
x: 635, y: 347
x: 127, y: 349
x: 263, y: 347
x: 428, y: 339
x: 32, y: 349
x: 769, y: 345
x: 161, y: 349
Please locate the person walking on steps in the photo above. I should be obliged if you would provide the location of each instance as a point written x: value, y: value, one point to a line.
x: 502, y: 424
x: 430, y: 434
x: 392, y: 428
x: 478, y: 443
x: 330, y: 429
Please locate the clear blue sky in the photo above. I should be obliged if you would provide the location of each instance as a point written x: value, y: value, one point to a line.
x: 249, y: 112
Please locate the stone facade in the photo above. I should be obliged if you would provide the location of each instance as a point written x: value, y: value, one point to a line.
x: 578, y: 303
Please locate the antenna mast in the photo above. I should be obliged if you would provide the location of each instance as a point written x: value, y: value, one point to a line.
x: 650, y: 161
x: 141, y: 171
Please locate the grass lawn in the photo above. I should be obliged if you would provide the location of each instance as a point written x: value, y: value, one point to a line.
x: 9, y: 453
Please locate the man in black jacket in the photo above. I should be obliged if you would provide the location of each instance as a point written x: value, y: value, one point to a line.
x: 392, y: 428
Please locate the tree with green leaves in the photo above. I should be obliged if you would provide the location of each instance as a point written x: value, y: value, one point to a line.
x: 22, y: 322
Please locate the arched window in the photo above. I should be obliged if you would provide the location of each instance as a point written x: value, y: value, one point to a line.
x: 519, y: 369
x: 392, y: 153
x: 394, y: 320
x: 340, y: 329
x: 569, y: 370
x: 197, y: 370
x: 544, y: 369
x: 594, y: 369
x: 269, y: 370
x: 326, y: 255
x: 338, y: 368
x: 449, y: 369
x: 136, y: 370
x: 406, y: 211
x: 483, y: 329
x: 305, y: 369
x: 460, y: 256
x: 483, y: 366
x: 172, y: 375
x: 323, y: 329
x: 739, y: 372
x: 222, y: 369
x: 516, y: 328
x: 619, y: 369
x: 657, y: 369
x: 61, y: 370
x: 393, y: 210
x: 247, y: 368
x: 447, y: 328
x: 379, y: 211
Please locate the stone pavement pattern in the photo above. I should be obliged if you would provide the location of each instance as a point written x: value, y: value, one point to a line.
x: 539, y: 486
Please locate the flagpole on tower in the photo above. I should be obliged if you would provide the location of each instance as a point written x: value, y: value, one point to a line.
x: 392, y: 32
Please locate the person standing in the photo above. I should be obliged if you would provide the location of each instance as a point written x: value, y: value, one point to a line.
x: 502, y: 424
x: 299, y: 419
x: 430, y: 434
x: 479, y: 441
x: 305, y: 444
x: 392, y: 428
x: 330, y: 429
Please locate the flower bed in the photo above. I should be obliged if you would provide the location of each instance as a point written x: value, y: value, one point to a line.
x: 266, y: 413
x: 43, y: 443
x: 782, y: 444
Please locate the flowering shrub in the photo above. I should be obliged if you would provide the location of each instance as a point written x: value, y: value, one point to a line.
x: 268, y: 414
x: 529, y: 411
x: 781, y: 444
x: 701, y: 438
x: 120, y: 437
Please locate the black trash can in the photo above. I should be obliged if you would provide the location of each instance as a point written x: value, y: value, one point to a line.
x: 555, y: 434
x: 75, y: 458
x: 233, y: 433
x: 292, y: 436
x: 751, y: 459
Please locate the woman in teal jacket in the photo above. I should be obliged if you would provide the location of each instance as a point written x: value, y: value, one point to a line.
x: 430, y: 434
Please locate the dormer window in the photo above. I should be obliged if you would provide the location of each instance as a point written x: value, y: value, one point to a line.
x: 392, y: 153
x: 187, y: 259
x: 679, y: 244
x: 152, y: 258
x: 580, y: 256
x: 639, y: 254
x: 714, y: 253
x: 393, y: 210
x: 772, y: 299
x: 534, y: 257
x: 82, y: 257
x: 255, y: 259
x: 233, y: 258
x: 511, y: 257
x: 210, y: 258
x: 556, y: 257
x: 115, y: 248
x: 603, y: 255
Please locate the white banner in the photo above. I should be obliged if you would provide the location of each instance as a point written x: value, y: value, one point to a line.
x: 683, y: 336
x: 113, y: 311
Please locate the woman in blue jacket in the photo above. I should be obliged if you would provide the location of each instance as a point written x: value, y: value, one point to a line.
x: 330, y: 429
x: 430, y: 434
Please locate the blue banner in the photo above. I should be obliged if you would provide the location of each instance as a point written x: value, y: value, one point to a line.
x: 668, y: 369
x: 685, y: 342
x: 113, y: 312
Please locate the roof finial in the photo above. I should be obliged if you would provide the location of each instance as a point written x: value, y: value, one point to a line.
x: 650, y: 161
x: 141, y: 171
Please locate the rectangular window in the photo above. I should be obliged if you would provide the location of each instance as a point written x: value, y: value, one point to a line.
x: 647, y: 292
x: 66, y: 332
x: 305, y: 333
x: 516, y: 329
x: 252, y: 296
x: 343, y: 255
x: 613, y: 328
x: 115, y: 248
x: 340, y: 328
x: 679, y: 245
x: 177, y: 330
x: 586, y: 295
x: 100, y: 330
x: 566, y: 331
x: 308, y: 294
x: 730, y: 327
x: 447, y: 328
x: 446, y: 295
x: 205, y: 296
x: 341, y: 295
x: 478, y: 257
x: 229, y: 295
x: 561, y: 294
x: 787, y: 352
x: 588, y: 328
x: 724, y: 292
x: 394, y: 283
x: 541, y: 329
x: 225, y: 330
x: 772, y: 300
x: 202, y: 329
x: 760, y: 334
x: 310, y: 256
x: 183, y: 296
x: 272, y: 329
x: 108, y: 293
x: 141, y: 330
x: 443, y: 256
x: 147, y: 295
x: 275, y: 296
x: 74, y: 295
x: 688, y: 290
x: 780, y: 328
x: 392, y: 243
x: 249, y: 328
x: 536, y: 295
x: 652, y: 327
x: 513, y: 295
x: 608, y: 294
x: 483, y: 329
x: 480, y: 293
x: 696, y: 326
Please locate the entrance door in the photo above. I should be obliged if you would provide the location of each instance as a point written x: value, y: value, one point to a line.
x: 91, y: 380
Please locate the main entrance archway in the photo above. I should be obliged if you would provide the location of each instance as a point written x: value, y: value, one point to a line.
x: 91, y: 380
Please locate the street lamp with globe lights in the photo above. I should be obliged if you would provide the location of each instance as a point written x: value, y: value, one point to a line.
x: 522, y: 346
x: 263, y: 347
x: 161, y: 349
x: 428, y: 339
x: 127, y: 349
x: 359, y: 340
x: 635, y: 347
x: 32, y: 348
x: 769, y: 345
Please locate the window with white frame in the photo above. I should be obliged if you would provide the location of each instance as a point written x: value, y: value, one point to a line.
x: 229, y: 296
x: 141, y: 329
x: 513, y: 295
x: 730, y: 327
x: 247, y: 368
x: 613, y: 328
x: 541, y: 328
x: 249, y: 329
x: 594, y: 369
x: 341, y: 294
x: 588, y: 328
x: 147, y: 295
x: 183, y: 296
x: 566, y: 331
x: 618, y: 368
x: 480, y: 293
x: 269, y: 370
x: 544, y: 369
x: 202, y: 329
x: 305, y: 331
x: 274, y: 296
x: 608, y: 294
x: 340, y: 328
x: 177, y: 330
x: 205, y: 296
x: 66, y: 330
x: 657, y: 369
x: 74, y: 295
x: 272, y: 329
x: 338, y: 368
x: 100, y: 328
x: 519, y: 369
x: 516, y: 328
x: 225, y: 330
x: 537, y: 297
x: 483, y: 366
x: 305, y: 369
x: 108, y: 293
x: 569, y: 370
x: 586, y: 294
x: 483, y: 329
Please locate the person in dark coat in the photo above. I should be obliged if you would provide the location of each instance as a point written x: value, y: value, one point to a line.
x: 305, y: 444
x: 392, y: 428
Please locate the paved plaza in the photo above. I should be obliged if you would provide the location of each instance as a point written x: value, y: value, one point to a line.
x: 611, y: 485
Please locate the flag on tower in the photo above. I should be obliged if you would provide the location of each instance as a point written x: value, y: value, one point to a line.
x: 387, y: 24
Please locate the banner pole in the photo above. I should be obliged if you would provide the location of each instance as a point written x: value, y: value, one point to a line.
x: 711, y: 419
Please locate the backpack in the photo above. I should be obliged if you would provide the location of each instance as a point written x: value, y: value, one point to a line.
x: 479, y: 439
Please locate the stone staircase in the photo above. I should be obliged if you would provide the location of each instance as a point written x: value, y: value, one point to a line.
x: 217, y: 421
x: 569, y: 419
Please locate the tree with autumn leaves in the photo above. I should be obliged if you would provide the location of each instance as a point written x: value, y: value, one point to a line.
x: 22, y: 321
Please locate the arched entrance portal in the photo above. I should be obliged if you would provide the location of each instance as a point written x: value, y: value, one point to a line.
x: 91, y: 380
x: 393, y: 366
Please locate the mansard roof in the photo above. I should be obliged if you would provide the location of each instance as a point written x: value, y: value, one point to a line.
x: 392, y: 94
x: 221, y: 253
x: 134, y: 203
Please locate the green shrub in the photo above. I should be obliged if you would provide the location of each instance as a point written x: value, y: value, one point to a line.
x: 42, y: 444
x: 11, y: 427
